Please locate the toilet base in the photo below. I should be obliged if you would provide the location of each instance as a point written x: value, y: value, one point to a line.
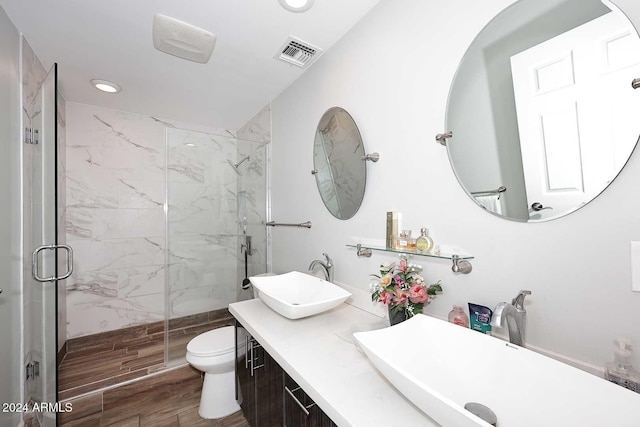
x: 218, y: 396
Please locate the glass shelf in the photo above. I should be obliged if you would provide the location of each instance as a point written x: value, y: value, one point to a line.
x: 412, y: 253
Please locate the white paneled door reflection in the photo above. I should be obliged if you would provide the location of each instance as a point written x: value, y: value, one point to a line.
x: 575, y: 107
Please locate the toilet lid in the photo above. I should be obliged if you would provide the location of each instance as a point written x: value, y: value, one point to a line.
x: 213, y: 343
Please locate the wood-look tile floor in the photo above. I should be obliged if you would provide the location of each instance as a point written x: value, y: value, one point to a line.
x: 103, y: 360
x: 170, y: 399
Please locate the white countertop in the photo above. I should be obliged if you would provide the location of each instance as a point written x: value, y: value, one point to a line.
x: 332, y: 371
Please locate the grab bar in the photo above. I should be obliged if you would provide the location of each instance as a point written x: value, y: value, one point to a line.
x: 499, y: 192
x: 280, y: 224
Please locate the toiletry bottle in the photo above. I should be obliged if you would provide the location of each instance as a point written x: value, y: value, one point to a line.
x: 392, y: 229
x: 424, y: 243
x: 411, y: 241
x: 457, y: 316
x: 480, y: 318
x: 403, y: 240
x: 620, y: 371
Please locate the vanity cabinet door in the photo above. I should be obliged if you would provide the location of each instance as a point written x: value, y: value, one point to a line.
x: 268, y: 391
x: 300, y: 410
x: 260, y: 383
x: 245, y: 384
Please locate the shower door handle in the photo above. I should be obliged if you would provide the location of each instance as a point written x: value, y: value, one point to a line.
x: 35, y: 266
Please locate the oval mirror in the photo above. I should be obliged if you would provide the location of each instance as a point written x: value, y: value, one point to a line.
x: 340, y: 172
x: 543, y: 108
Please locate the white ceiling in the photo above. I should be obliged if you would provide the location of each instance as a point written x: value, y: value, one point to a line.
x: 112, y: 40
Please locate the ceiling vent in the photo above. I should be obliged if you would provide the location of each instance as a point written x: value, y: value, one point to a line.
x: 183, y: 40
x: 297, y: 52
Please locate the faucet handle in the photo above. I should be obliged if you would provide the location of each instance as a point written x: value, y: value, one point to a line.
x: 518, y: 301
x: 329, y: 260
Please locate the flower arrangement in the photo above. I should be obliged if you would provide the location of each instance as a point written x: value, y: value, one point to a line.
x: 402, y: 289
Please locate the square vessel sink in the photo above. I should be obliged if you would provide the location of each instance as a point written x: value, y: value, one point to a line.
x: 440, y: 367
x: 295, y: 295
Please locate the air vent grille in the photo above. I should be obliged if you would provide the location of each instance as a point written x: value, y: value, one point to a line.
x: 297, y: 52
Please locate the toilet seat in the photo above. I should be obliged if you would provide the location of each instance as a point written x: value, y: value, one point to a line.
x: 213, y: 343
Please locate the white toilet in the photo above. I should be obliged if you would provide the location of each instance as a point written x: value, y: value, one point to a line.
x: 213, y: 353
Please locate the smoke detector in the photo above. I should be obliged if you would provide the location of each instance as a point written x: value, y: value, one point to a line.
x: 183, y: 40
x: 298, y: 52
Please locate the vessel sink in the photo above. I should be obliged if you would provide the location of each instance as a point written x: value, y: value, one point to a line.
x: 295, y: 295
x: 440, y: 367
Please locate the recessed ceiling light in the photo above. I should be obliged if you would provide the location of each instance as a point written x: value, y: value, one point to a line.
x: 296, y: 5
x: 106, y: 86
x: 190, y: 144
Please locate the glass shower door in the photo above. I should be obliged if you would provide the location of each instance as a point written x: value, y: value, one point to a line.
x: 216, y: 201
x: 46, y: 251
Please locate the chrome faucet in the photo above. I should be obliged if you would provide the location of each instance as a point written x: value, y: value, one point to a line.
x: 516, y: 317
x: 327, y: 267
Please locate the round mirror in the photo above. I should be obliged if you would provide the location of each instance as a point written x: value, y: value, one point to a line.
x: 543, y: 108
x: 340, y: 171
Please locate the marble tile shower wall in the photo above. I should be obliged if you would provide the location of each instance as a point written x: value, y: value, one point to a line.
x: 115, y: 196
x: 115, y: 220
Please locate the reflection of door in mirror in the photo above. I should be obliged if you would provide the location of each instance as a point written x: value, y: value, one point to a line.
x: 575, y: 107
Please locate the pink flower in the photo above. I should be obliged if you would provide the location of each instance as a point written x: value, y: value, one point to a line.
x: 398, y: 280
x: 399, y: 297
x: 418, y: 294
x: 402, y: 265
x: 385, y: 297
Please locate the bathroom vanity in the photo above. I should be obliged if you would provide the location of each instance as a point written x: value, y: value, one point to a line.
x: 316, y: 359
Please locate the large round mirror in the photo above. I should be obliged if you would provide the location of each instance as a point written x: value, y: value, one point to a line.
x: 340, y: 172
x: 543, y: 109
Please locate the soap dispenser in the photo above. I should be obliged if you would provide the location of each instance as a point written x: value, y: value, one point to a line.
x: 620, y: 371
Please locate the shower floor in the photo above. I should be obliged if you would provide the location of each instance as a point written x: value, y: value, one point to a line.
x: 102, y: 360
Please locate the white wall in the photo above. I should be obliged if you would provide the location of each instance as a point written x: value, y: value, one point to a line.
x: 10, y: 212
x: 392, y: 72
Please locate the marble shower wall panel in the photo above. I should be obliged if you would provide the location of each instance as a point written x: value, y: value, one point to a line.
x: 115, y: 219
x: 202, y: 226
x: 253, y: 140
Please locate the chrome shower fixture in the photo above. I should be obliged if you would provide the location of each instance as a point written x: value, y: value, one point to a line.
x: 235, y: 167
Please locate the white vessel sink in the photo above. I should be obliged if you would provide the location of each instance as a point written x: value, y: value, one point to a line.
x: 295, y: 295
x: 440, y: 367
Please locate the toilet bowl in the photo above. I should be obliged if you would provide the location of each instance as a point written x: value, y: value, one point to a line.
x: 213, y: 353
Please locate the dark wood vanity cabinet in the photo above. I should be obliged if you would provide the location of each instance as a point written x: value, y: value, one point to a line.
x: 268, y: 396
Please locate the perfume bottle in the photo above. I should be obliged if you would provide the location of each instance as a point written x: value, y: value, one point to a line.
x: 424, y: 243
x: 406, y: 242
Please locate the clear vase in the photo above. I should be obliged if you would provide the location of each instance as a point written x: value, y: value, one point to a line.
x: 400, y: 316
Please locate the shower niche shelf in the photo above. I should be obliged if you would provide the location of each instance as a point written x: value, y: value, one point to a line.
x: 461, y: 263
